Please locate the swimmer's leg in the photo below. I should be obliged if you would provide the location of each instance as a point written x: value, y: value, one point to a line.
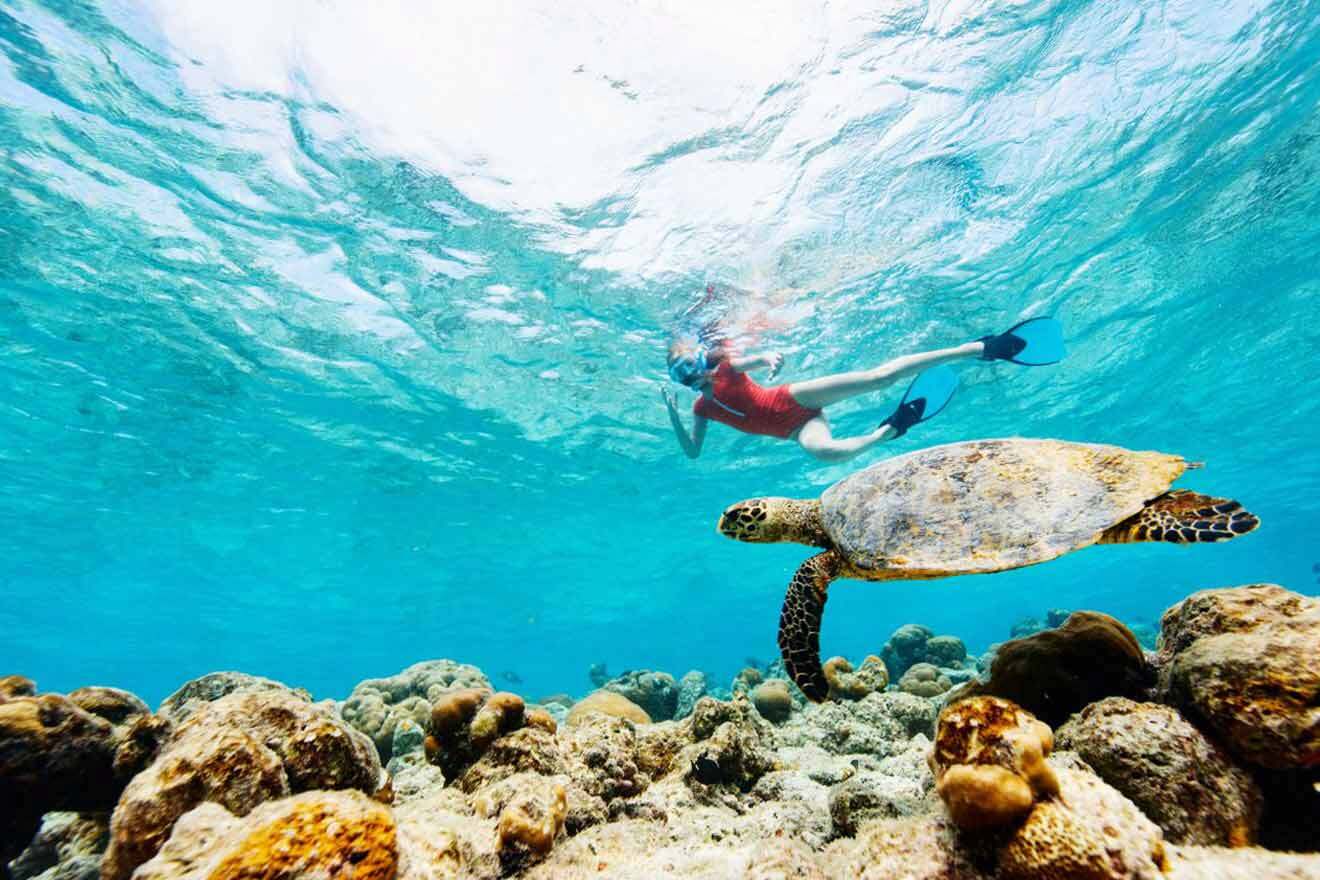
x: 820, y: 393
x: 816, y: 439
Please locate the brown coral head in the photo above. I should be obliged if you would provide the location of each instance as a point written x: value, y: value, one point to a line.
x: 542, y: 719
x: 987, y: 753
x: 455, y: 709
x: 528, y: 826
x: 16, y: 686
x: 502, y: 713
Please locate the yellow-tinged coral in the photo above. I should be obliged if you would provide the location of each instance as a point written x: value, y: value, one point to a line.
x: 501, y: 713
x: 314, y: 838
x: 528, y: 826
x: 607, y: 703
x: 847, y: 684
x: 542, y: 719
x: 989, y: 762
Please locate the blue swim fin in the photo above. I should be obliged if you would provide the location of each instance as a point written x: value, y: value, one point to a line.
x: 1035, y: 342
x: 928, y: 394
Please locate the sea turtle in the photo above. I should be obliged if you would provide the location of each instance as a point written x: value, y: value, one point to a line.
x: 970, y: 508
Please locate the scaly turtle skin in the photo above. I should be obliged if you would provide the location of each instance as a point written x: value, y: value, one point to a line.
x: 972, y: 508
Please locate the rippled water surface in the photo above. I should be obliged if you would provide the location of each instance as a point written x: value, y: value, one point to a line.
x: 331, y: 335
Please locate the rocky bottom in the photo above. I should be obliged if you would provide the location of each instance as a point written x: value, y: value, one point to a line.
x: 1199, y: 760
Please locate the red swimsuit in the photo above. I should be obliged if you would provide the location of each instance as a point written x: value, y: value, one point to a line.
x: 741, y: 403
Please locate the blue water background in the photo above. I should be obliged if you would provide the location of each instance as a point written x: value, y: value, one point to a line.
x: 278, y: 399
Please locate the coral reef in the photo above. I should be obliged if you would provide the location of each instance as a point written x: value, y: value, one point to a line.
x: 989, y: 762
x: 1246, y: 663
x: 239, y: 751
x: 1187, y: 784
x: 845, y: 684
x: 378, y: 705
x: 655, y: 692
x: 258, y: 781
x: 1056, y: 672
x: 924, y: 680
x: 607, y: 703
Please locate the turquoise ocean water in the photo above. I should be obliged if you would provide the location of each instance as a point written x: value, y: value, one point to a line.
x: 331, y: 333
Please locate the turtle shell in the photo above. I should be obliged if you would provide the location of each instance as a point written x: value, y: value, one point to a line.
x: 988, y: 505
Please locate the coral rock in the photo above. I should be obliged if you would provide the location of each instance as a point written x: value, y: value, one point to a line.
x: 1091, y: 832
x: 1184, y: 782
x: 238, y: 751
x: 880, y: 724
x: 68, y: 847
x: 315, y: 834
x: 906, y: 646
x: 746, y: 679
x: 53, y: 756
x: 528, y: 826
x: 845, y: 684
x: 1246, y: 663
x: 16, y: 686
x: 871, y: 795
x: 989, y: 762
x: 922, y: 848
x: 924, y: 680
x: 1056, y: 672
x: 773, y: 700
x: 691, y: 687
x: 655, y: 692
x: 1248, y: 863
x: 945, y: 651
x: 378, y: 705
x: 607, y: 703
x: 180, y: 705
x: 528, y: 749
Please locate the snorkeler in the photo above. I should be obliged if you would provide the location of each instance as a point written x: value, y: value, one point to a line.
x: 796, y: 411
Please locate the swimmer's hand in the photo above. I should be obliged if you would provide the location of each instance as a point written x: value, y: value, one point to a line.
x: 775, y: 361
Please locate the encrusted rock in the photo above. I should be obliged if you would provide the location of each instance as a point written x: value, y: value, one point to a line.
x: 528, y: 826
x: 989, y: 762
x: 56, y: 755
x: 1245, y: 662
x: 601, y: 755
x: 378, y: 705
x: 655, y: 692
x: 315, y: 834
x: 528, y: 749
x: 871, y: 795
x: 1184, y: 782
x: 606, y: 703
x: 179, y: 705
x: 68, y: 847
x: 918, y: 848
x: 1090, y: 832
x: 924, y: 680
x: 1056, y: 672
x: 879, y: 724
x: 746, y: 679
x: 238, y: 751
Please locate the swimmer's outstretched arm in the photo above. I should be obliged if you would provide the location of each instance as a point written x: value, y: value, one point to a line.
x: 691, y: 443
x: 747, y: 362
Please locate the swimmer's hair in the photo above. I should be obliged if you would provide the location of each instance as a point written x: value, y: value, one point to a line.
x: 677, y: 349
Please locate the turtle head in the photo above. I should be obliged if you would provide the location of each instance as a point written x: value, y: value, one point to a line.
x: 772, y: 520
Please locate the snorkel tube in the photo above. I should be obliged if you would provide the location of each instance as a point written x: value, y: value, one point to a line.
x: 687, y: 365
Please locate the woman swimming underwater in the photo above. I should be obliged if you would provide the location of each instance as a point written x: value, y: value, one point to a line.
x: 796, y: 410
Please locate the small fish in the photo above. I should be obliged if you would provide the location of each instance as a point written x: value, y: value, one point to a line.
x: 706, y: 770
x: 511, y: 677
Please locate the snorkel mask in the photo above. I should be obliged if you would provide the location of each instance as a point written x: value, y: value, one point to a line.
x: 686, y: 368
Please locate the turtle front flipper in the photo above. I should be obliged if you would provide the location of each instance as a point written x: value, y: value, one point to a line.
x: 1183, y: 517
x: 799, y: 622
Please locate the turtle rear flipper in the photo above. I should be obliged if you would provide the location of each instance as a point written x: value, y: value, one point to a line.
x: 1181, y: 516
x: 799, y: 623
